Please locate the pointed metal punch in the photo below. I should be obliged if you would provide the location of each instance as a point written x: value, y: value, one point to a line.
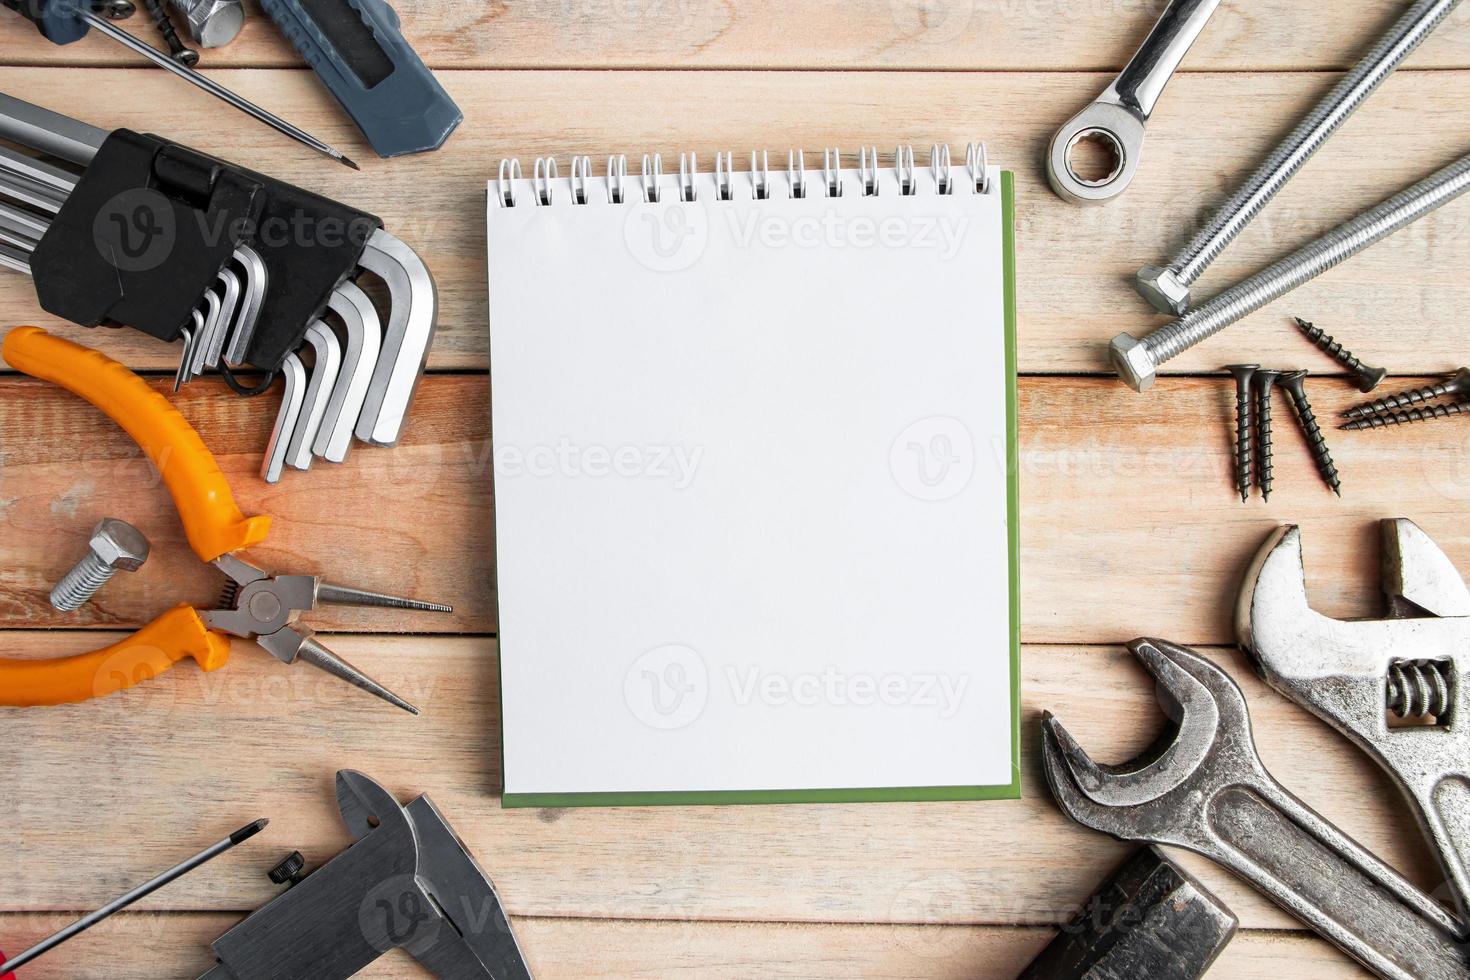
x: 263, y: 607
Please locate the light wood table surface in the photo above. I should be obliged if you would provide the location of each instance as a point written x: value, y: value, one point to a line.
x: 1129, y: 525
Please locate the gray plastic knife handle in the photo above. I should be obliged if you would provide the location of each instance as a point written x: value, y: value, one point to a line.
x: 358, y: 51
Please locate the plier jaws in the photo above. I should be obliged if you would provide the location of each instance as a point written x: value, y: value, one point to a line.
x: 259, y: 606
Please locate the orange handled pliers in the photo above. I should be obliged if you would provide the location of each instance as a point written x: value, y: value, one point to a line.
x: 257, y: 605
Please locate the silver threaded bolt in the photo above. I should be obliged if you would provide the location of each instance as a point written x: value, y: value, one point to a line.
x: 1137, y: 360
x: 1167, y: 288
x: 114, y: 545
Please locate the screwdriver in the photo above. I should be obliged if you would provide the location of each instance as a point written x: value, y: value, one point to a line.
x: 65, y: 21
x: 147, y: 888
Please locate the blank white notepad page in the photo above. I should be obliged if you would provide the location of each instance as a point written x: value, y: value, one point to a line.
x: 750, y: 489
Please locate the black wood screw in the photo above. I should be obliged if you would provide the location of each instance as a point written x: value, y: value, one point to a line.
x: 1264, y: 381
x: 1407, y: 416
x: 1366, y: 378
x: 1457, y: 384
x: 180, y: 51
x: 1242, y: 374
x: 1296, y: 390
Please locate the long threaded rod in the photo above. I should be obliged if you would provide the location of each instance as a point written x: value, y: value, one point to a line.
x: 1310, y: 261
x: 1417, y: 23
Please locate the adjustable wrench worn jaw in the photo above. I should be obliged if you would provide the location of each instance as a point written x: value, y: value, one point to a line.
x: 1344, y: 672
x: 1203, y: 787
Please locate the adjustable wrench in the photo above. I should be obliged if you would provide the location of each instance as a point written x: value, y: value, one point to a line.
x: 1118, y: 117
x: 1350, y: 674
x: 1203, y: 787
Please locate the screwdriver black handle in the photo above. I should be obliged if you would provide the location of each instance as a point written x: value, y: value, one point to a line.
x: 59, y: 21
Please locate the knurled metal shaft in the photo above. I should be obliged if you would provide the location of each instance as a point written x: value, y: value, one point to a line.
x: 1171, y: 295
x: 1458, y: 385
x: 1137, y: 360
x: 1407, y: 416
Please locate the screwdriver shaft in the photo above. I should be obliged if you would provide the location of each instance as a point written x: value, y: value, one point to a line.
x: 147, y: 888
x: 218, y: 91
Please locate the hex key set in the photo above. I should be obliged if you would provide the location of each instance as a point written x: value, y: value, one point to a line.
x: 247, y: 271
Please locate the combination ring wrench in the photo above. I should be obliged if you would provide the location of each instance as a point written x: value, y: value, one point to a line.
x: 1119, y: 116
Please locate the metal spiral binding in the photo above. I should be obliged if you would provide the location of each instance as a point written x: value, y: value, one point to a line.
x: 760, y: 177
x: 724, y: 176
x: 581, y: 173
x: 1419, y: 689
x: 868, y: 170
x: 688, y: 170
x: 832, y: 171
x: 652, y: 177
x: 939, y: 167
x: 796, y: 172
x: 544, y: 179
x: 510, y: 170
x: 617, y: 176
x: 541, y: 178
x: 903, y: 164
x: 977, y: 162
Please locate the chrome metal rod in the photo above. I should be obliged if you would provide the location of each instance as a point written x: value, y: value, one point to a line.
x: 47, y: 131
x: 99, y: 23
x: 143, y: 890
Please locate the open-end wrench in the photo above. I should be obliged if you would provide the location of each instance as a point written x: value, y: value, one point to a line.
x: 1202, y: 786
x: 1119, y: 116
x: 1352, y: 674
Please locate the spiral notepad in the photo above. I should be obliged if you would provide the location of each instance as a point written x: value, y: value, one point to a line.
x: 755, y: 491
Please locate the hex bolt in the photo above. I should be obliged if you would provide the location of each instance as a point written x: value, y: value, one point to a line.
x: 1364, y: 377
x: 1137, y: 359
x: 211, y: 23
x: 1457, y: 385
x: 1265, y: 381
x: 1296, y: 389
x: 114, y: 545
x: 1167, y: 288
x: 1242, y: 374
x: 180, y: 52
x: 1407, y: 416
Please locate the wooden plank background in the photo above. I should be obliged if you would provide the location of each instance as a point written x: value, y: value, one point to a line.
x: 1128, y: 523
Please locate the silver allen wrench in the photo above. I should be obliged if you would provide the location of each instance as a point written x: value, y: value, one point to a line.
x: 247, y: 271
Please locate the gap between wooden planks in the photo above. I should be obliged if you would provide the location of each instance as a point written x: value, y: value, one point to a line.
x: 1398, y: 305
x: 177, y: 946
x: 1147, y: 477
x: 991, y: 35
x: 189, y: 756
